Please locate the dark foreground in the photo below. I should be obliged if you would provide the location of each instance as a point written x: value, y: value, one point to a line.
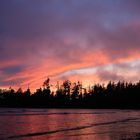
x: 72, y: 124
x: 120, y: 95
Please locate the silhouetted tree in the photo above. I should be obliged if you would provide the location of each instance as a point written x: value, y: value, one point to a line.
x: 113, y: 95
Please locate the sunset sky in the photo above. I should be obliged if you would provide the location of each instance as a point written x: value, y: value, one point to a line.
x: 88, y: 40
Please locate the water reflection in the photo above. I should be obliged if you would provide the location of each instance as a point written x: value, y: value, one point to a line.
x: 54, y: 124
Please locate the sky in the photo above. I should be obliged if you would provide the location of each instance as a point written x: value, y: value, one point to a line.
x: 80, y: 40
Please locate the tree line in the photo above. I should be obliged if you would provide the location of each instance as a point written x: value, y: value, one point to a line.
x: 74, y: 95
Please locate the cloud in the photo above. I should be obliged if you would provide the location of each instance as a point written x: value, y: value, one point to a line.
x: 14, y: 83
x: 12, y: 69
x: 107, y: 76
x: 51, y: 38
x: 126, y: 71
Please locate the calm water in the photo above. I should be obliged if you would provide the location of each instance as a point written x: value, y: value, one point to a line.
x: 64, y: 124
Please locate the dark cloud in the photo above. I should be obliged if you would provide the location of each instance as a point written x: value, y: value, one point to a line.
x: 34, y: 32
x: 12, y: 69
x: 15, y: 82
x: 123, y: 43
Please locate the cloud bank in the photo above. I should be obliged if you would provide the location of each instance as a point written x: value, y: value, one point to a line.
x: 91, y: 41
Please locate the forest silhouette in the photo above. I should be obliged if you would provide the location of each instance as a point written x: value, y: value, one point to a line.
x: 119, y: 95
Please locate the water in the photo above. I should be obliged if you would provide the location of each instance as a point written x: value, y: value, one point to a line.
x: 69, y: 124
